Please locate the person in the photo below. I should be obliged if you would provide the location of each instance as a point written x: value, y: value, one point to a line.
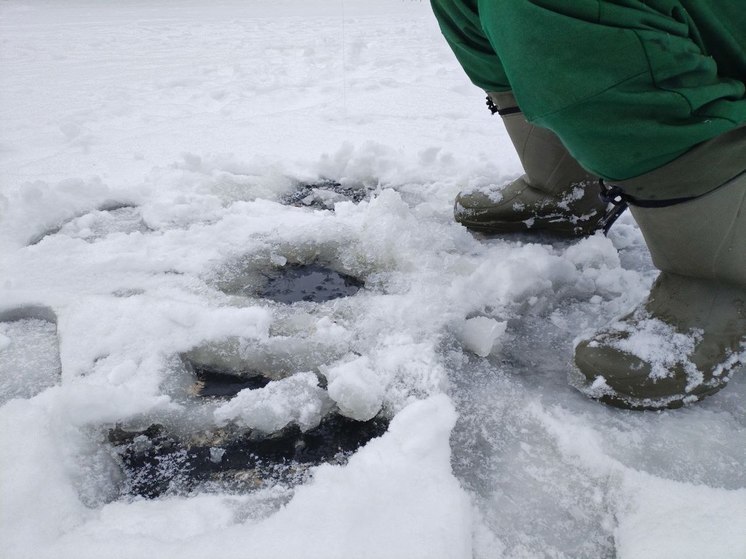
x: 626, y: 102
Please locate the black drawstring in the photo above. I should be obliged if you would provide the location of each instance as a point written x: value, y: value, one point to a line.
x: 502, y: 112
x: 612, y: 195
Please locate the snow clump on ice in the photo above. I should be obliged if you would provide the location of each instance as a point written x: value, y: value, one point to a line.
x: 480, y: 334
x: 296, y: 399
x: 356, y: 388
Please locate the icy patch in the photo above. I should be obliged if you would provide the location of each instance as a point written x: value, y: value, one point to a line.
x: 297, y: 399
x: 29, y: 354
x: 530, y: 499
x: 115, y: 218
x: 37, y: 208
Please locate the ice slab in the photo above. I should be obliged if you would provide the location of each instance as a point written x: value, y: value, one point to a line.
x: 29, y: 353
x: 97, y: 224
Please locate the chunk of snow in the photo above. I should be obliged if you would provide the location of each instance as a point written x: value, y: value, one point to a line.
x: 356, y: 388
x: 480, y: 334
x: 295, y: 399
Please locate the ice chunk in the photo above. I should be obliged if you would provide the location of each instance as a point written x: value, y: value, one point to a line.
x: 277, y: 259
x: 296, y: 399
x: 480, y: 334
x: 356, y: 388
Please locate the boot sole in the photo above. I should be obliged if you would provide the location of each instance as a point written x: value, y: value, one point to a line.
x: 507, y: 227
x: 614, y: 398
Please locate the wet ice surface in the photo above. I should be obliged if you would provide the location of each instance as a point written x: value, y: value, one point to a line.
x: 205, y: 120
x: 116, y: 218
x: 531, y: 477
x: 29, y: 358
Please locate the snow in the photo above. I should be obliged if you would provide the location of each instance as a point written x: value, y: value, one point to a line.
x: 657, y: 343
x: 145, y: 151
x: 296, y: 399
x: 479, y: 334
x: 356, y: 388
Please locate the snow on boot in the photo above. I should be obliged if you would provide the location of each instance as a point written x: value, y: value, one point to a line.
x: 684, y: 342
x: 555, y: 194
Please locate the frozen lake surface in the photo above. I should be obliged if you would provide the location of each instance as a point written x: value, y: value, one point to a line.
x: 169, y: 169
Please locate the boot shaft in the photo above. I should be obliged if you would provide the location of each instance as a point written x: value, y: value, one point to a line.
x: 700, y: 230
x: 702, y: 238
x: 548, y: 165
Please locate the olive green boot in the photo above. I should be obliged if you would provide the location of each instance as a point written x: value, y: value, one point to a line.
x: 686, y: 340
x: 555, y: 194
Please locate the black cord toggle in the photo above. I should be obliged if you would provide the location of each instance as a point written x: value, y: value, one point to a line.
x: 614, y: 197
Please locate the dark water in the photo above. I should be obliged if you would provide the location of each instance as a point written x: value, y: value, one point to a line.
x: 313, y: 283
x: 219, y: 384
x: 323, y: 194
x: 156, y: 462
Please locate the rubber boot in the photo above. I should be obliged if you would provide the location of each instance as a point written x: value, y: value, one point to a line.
x: 555, y: 194
x: 686, y: 340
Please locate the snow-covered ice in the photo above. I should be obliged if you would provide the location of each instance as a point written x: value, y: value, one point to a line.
x: 147, y: 154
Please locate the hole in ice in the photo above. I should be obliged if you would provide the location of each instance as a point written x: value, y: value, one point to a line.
x: 29, y: 352
x: 324, y: 195
x: 97, y: 224
x: 156, y: 462
x: 300, y: 272
x: 311, y: 282
x: 214, y: 383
